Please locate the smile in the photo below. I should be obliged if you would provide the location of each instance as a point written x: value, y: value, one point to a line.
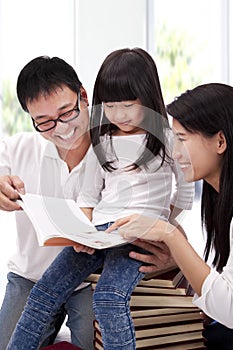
x: 124, y: 123
x: 67, y: 136
x: 184, y: 166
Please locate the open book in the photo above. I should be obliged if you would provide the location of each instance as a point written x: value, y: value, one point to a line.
x: 60, y: 222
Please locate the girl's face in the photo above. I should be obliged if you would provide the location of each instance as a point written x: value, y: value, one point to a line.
x: 200, y: 157
x: 126, y: 115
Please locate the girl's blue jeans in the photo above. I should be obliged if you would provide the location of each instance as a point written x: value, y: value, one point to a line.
x: 111, y: 298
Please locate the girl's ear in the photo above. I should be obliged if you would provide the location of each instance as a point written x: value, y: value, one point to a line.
x: 83, y: 95
x: 222, y: 144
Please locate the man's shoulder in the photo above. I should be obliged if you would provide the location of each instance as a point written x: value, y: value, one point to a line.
x: 23, y: 139
x: 23, y: 147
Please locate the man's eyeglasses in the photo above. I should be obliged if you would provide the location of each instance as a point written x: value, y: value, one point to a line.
x: 63, y: 118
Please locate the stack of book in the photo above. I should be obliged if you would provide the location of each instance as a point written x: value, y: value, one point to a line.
x: 163, y: 314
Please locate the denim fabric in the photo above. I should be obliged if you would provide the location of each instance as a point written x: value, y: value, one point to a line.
x: 218, y: 337
x: 80, y: 313
x: 17, y: 291
x: 78, y: 308
x: 111, y: 297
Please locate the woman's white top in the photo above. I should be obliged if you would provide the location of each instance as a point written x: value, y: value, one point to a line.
x: 216, y: 298
x: 120, y: 193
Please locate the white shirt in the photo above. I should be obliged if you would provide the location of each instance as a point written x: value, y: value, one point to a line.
x: 216, y: 298
x: 120, y: 193
x: 36, y: 161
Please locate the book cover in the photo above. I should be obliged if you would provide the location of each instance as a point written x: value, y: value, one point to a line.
x: 60, y: 222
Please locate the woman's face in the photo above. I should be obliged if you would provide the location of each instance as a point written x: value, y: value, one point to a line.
x: 200, y: 157
x: 126, y: 115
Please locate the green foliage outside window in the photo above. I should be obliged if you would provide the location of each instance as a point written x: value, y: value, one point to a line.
x: 14, y: 119
x: 175, y: 56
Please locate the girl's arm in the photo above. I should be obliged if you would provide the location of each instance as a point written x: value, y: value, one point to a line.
x: 87, y: 212
x: 92, y: 184
x: 80, y: 247
x: 90, y: 192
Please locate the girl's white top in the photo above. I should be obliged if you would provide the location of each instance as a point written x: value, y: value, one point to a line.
x: 148, y: 191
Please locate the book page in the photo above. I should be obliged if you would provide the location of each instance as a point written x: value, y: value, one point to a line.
x: 55, y: 218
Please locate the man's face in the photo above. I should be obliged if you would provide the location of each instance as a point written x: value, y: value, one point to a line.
x: 66, y: 136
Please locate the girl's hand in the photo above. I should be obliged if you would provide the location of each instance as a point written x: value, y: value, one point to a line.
x: 84, y: 249
x: 139, y: 226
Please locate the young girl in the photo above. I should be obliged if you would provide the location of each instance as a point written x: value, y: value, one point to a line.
x: 203, y: 128
x: 130, y: 171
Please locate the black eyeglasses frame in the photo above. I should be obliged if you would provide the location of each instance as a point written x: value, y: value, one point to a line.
x: 59, y: 118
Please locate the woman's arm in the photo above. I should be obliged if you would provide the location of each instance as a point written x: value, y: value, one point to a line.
x: 193, y: 267
x: 214, y: 290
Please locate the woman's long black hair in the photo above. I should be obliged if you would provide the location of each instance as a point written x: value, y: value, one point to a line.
x: 208, y: 109
x: 129, y: 74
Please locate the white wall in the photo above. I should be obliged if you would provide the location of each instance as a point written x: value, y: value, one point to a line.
x: 104, y: 26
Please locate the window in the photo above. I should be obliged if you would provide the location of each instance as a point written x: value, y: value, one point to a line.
x: 190, y: 43
x: 29, y: 29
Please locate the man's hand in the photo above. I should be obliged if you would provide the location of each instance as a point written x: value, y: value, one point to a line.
x: 9, y: 188
x: 159, y: 258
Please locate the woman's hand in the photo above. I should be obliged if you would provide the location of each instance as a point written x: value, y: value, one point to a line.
x: 147, y: 233
x: 159, y: 257
x: 139, y: 226
x: 84, y: 249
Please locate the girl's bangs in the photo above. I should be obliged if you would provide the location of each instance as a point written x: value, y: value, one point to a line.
x: 116, y: 90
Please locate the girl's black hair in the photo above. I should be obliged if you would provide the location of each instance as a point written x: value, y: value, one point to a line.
x: 129, y: 74
x: 208, y: 109
x: 42, y: 75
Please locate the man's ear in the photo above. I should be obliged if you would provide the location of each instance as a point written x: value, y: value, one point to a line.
x: 222, y: 143
x: 83, y: 95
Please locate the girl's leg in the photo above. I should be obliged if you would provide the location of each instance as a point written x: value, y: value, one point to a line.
x: 58, y: 282
x: 111, y: 297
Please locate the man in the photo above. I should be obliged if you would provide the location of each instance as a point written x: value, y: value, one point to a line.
x: 49, y: 162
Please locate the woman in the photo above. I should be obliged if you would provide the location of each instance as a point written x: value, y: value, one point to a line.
x: 203, y: 132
